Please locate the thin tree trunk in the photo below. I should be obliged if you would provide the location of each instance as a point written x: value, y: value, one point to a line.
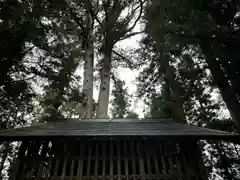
x: 88, y: 72
x: 103, y: 99
x: 171, y: 93
x: 174, y: 103
x: 226, y: 90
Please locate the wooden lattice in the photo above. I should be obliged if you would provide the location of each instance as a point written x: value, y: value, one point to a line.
x: 109, y: 159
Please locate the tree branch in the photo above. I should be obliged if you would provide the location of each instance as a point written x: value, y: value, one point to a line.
x: 74, y: 15
x: 139, y: 16
x: 130, y: 35
x: 123, y: 58
x: 89, y: 7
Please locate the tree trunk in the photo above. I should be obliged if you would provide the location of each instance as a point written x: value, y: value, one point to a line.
x: 174, y: 104
x: 171, y: 91
x: 103, y: 99
x: 226, y: 90
x: 88, y: 72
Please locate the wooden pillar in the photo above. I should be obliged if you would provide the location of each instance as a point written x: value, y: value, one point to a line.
x: 192, y: 160
x: 141, y: 162
x: 80, y: 161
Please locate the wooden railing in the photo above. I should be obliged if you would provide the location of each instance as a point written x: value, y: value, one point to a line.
x: 109, y: 159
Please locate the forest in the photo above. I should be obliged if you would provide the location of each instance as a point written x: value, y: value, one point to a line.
x: 55, y: 55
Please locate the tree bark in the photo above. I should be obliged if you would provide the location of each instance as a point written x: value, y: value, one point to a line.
x: 88, y: 71
x: 174, y: 102
x: 225, y: 89
x: 103, y: 99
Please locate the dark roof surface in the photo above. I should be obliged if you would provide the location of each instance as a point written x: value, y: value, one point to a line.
x: 108, y: 127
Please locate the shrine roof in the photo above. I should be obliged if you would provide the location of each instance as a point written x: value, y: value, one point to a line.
x: 112, y: 127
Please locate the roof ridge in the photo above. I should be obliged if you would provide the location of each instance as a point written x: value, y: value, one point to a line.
x: 108, y: 127
x: 115, y: 120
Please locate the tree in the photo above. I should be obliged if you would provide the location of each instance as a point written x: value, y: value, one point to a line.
x: 85, y: 22
x: 210, y: 26
x: 181, y: 53
x: 120, y: 102
x: 16, y: 92
x: 112, y: 29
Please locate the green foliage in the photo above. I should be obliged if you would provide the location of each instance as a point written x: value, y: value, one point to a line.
x: 158, y: 107
x: 15, y: 91
x: 120, y: 102
x: 207, y: 24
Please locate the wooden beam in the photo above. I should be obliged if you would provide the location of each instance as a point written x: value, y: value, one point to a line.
x: 141, y: 162
x: 118, y: 160
x: 52, y: 150
x: 133, y: 159
x: 148, y: 159
x: 126, y: 159
x: 80, y: 161
x: 164, y: 170
x: 96, y: 161
x: 111, y: 160
x: 89, y: 158
x: 65, y: 156
x: 43, y: 157
x: 104, y: 159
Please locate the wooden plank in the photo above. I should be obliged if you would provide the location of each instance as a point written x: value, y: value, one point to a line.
x: 89, y: 158
x: 36, y: 157
x: 107, y: 177
x: 111, y: 160
x: 104, y: 159
x: 118, y: 160
x: 72, y: 149
x: 169, y: 155
x: 186, y: 167
x: 148, y: 159
x: 49, y: 166
x: 141, y: 162
x: 156, y: 164
x: 59, y: 157
x: 164, y: 171
x: 52, y: 150
x: 189, y: 162
x: 180, y: 174
x: 55, y: 173
x: 65, y: 160
x: 133, y: 160
x: 96, y: 162
x: 25, y: 170
x: 43, y: 157
x: 80, y: 161
x: 126, y: 160
x: 72, y: 169
x: 30, y: 164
